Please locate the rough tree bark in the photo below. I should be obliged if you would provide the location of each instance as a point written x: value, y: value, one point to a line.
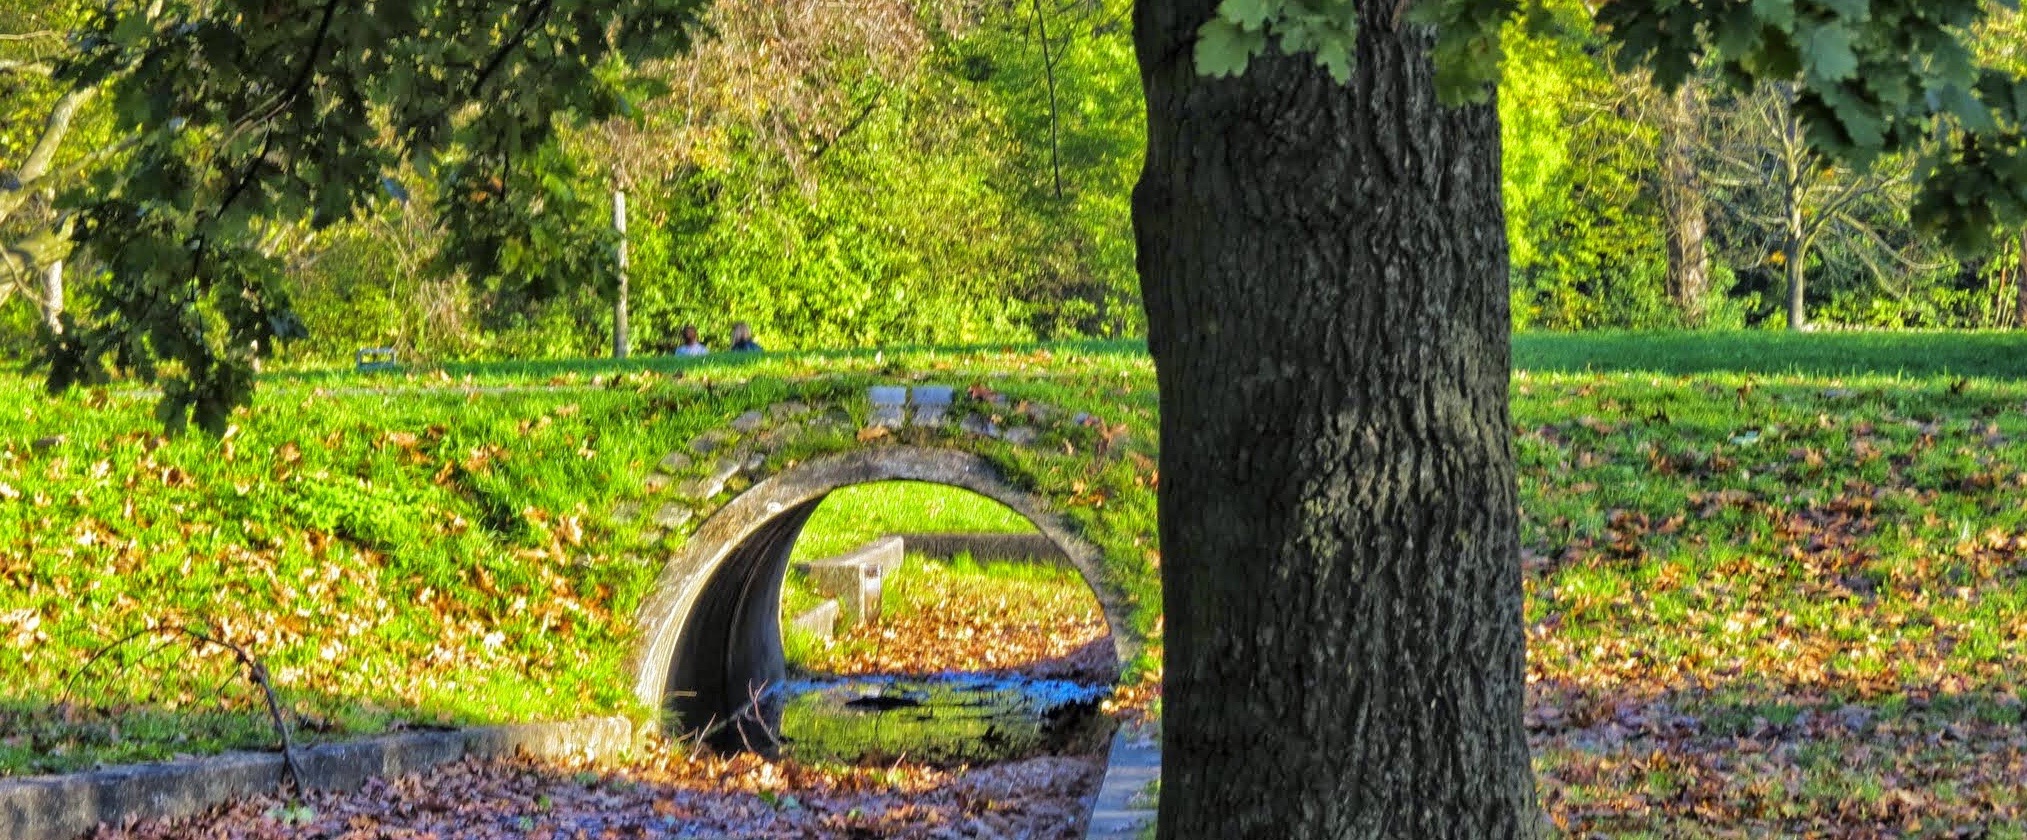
x: 1683, y: 205
x: 1324, y: 268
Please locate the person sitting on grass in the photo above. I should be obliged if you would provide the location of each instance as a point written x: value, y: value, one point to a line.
x: 691, y: 346
x: 742, y: 338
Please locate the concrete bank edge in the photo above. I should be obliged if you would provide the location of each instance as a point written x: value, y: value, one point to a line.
x: 1120, y: 810
x: 70, y: 806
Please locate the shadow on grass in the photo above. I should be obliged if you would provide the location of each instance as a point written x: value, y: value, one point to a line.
x: 726, y: 361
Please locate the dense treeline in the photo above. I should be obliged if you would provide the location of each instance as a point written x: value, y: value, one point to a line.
x: 1630, y: 206
x: 955, y: 171
x: 836, y: 174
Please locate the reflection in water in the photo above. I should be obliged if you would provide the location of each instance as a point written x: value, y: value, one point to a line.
x: 947, y: 720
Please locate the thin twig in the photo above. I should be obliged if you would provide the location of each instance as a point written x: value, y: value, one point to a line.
x: 749, y: 711
x: 63, y: 694
x: 256, y: 672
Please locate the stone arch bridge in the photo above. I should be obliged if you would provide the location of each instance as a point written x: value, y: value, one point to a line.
x: 732, y: 502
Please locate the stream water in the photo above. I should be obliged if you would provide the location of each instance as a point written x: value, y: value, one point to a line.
x: 945, y: 720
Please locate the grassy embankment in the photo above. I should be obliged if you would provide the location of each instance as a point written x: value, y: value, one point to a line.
x: 437, y: 548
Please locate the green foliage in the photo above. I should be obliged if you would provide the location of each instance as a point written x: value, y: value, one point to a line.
x: 244, y: 113
x: 1076, y: 266
x: 1242, y: 29
x: 904, y: 202
x: 1870, y: 79
x: 912, y: 200
x: 1583, y: 227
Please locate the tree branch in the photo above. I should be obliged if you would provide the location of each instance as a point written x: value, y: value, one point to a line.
x: 499, y: 57
x: 297, y: 87
x: 256, y: 672
x: 1055, y: 121
x: 10, y: 65
x: 849, y: 127
x: 54, y: 128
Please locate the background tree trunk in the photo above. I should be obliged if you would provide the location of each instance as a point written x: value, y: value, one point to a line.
x: 2020, y: 281
x: 1325, y: 275
x: 1792, y: 259
x: 622, y: 335
x: 52, y: 296
x: 1683, y: 205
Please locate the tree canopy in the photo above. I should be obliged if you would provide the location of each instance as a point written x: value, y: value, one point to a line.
x: 246, y: 115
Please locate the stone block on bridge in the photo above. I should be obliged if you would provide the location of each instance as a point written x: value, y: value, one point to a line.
x: 890, y: 406
x: 931, y: 402
x: 704, y: 487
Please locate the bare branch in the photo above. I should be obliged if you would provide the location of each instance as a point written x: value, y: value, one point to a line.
x: 54, y: 128
x: 9, y: 65
x: 256, y: 672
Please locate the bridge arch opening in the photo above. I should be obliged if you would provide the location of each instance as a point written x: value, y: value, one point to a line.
x: 712, y: 628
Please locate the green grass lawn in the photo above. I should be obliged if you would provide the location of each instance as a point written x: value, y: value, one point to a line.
x: 852, y: 516
x: 1779, y: 604
x: 1777, y: 585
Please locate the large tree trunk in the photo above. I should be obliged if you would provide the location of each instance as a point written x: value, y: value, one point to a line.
x: 1682, y: 205
x: 1325, y: 274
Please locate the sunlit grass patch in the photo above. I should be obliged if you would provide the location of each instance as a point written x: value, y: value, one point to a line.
x: 854, y: 515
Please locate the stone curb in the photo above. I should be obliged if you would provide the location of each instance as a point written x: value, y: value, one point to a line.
x: 1120, y: 809
x: 70, y: 806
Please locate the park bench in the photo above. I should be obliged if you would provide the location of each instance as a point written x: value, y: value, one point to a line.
x: 374, y: 358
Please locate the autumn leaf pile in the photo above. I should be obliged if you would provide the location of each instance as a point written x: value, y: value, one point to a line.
x: 668, y: 794
x: 1783, y: 606
x: 1039, y: 620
